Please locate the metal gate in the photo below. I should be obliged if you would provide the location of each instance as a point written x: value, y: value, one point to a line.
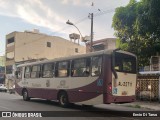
x: 148, y: 87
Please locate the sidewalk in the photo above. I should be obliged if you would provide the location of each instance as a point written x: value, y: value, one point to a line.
x: 135, y: 106
x: 149, y: 105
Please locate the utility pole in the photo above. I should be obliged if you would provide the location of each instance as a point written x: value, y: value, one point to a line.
x: 91, y: 33
x: 91, y: 44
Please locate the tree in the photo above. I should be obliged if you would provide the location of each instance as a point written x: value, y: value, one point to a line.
x: 137, y: 25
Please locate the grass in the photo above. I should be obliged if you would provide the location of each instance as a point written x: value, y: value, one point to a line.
x: 134, y: 106
x: 137, y: 106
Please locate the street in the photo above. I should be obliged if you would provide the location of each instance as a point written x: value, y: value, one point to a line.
x: 14, y: 102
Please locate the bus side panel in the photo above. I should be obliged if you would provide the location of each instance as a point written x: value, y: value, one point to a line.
x: 18, y: 89
x: 49, y: 94
x: 44, y: 93
x: 87, y: 92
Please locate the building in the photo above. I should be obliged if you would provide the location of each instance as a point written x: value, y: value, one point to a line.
x: 2, y: 69
x: 2, y: 61
x: 153, y: 66
x: 33, y: 45
x: 107, y: 43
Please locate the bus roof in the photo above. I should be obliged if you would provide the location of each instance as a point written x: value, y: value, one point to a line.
x: 109, y: 52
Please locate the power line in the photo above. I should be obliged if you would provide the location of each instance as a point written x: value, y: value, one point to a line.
x: 105, y: 12
x: 66, y: 27
x: 85, y: 18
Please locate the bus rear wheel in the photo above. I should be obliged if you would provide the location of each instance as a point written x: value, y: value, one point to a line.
x: 25, y: 95
x: 63, y: 99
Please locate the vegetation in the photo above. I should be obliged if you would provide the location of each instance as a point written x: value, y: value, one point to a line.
x: 134, y: 106
x: 137, y: 27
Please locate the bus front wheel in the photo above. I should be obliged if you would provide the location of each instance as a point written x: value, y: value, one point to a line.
x: 63, y: 99
x: 25, y: 95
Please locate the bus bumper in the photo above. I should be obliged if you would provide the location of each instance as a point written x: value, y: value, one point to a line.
x: 119, y: 99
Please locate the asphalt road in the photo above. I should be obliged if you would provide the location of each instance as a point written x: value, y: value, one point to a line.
x: 13, y: 102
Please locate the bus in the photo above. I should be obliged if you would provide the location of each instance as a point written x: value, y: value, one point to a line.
x: 101, y: 77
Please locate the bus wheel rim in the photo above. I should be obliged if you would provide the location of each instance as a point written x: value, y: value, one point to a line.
x: 25, y: 95
x: 63, y: 99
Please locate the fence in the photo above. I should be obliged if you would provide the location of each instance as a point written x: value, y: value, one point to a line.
x: 148, y: 87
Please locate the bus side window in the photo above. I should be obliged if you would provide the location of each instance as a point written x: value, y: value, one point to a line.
x: 36, y: 69
x: 27, y: 72
x: 48, y: 70
x: 62, y: 69
x: 80, y: 67
x: 96, y: 65
x: 19, y: 72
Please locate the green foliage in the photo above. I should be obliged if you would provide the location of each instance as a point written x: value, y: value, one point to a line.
x: 137, y: 26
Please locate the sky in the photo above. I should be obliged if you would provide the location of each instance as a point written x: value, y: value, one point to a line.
x: 50, y: 16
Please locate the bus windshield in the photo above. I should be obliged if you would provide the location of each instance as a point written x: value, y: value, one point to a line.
x: 125, y: 63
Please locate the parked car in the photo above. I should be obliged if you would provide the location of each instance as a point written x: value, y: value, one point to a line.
x: 3, y: 88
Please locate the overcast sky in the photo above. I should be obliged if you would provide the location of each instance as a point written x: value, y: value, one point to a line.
x: 50, y: 16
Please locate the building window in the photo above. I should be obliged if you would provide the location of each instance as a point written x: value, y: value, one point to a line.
x: 48, y: 44
x: 2, y: 69
x: 10, y: 56
x: 11, y: 40
x: 9, y: 69
x: 99, y: 46
x: 80, y: 67
x: 76, y: 50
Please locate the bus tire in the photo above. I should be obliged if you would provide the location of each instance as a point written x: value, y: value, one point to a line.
x: 63, y: 99
x: 25, y: 95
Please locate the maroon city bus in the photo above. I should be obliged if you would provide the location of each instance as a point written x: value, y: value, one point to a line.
x: 101, y: 77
